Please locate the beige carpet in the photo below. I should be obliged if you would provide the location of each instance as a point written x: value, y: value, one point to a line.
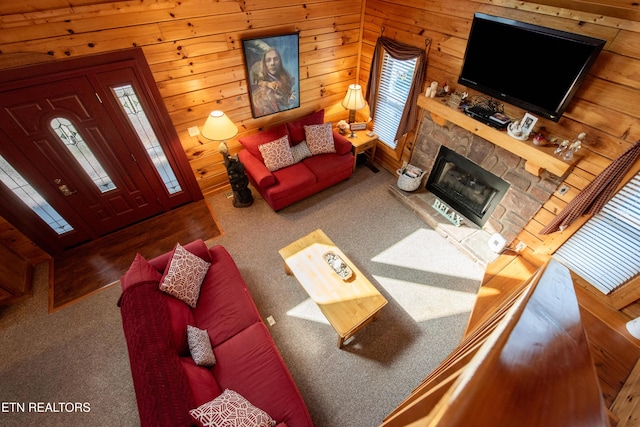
x: 78, y: 354
x: 75, y: 355
x: 430, y: 286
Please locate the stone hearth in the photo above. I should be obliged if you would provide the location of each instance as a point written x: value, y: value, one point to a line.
x: 469, y: 238
x: 525, y: 196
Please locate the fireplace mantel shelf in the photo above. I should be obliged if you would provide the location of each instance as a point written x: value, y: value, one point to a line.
x: 537, y: 158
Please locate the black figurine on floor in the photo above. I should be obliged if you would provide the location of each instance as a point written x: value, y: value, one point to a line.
x: 242, y: 196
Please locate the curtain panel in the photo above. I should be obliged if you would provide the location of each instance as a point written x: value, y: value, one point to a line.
x: 401, y: 52
x: 597, y: 193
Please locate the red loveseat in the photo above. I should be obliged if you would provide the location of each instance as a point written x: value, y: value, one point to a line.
x: 301, y: 176
x: 167, y: 381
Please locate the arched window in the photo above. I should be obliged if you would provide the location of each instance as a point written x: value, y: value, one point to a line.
x: 82, y: 153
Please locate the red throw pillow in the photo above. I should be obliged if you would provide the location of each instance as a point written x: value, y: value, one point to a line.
x: 251, y: 142
x: 296, y: 128
x: 139, y: 271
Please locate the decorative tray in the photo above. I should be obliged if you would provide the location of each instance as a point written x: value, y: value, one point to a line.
x: 338, y: 265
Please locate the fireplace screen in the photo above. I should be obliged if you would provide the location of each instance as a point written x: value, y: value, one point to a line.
x: 469, y: 189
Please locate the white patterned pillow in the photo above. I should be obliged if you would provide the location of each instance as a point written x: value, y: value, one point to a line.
x: 276, y: 154
x: 320, y: 138
x: 231, y: 409
x: 184, y: 276
x: 200, y: 346
x: 300, y: 152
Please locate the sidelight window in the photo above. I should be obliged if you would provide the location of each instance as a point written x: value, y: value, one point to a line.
x: 68, y: 134
x: 29, y: 196
x: 138, y: 119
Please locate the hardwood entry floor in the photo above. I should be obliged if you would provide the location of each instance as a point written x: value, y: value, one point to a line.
x: 86, y: 269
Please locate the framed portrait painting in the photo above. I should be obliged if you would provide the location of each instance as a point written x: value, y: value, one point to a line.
x: 273, y: 72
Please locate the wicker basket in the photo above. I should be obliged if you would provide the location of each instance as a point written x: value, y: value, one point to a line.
x: 406, y: 179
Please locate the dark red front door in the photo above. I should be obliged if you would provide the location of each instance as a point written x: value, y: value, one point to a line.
x: 66, y: 135
x: 87, y: 147
x: 72, y: 137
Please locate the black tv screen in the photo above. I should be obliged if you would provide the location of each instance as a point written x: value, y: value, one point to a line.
x: 535, y: 68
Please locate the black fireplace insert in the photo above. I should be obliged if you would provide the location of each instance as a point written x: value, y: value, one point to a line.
x: 466, y: 187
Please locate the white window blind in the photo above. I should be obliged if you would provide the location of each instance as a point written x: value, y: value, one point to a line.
x: 606, y: 250
x: 393, y: 90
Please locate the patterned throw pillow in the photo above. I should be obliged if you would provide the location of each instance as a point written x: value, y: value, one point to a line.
x: 184, y: 276
x: 200, y: 346
x: 300, y: 152
x: 231, y: 409
x: 320, y: 138
x: 276, y: 154
x: 296, y: 127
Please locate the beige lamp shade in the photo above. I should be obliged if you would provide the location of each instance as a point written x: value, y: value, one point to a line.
x: 218, y: 127
x: 633, y: 326
x: 354, y: 100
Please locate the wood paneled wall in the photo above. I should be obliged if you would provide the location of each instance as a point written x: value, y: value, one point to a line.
x: 195, y: 53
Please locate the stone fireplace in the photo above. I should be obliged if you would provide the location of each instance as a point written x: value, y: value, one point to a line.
x: 519, y: 201
x: 465, y: 186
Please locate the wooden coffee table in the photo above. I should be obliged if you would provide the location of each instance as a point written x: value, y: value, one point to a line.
x: 349, y: 305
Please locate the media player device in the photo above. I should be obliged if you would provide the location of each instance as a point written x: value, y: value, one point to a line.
x: 487, y: 116
x: 500, y: 119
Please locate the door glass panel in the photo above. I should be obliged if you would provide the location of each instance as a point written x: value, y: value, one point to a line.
x: 82, y: 153
x: 21, y: 188
x: 138, y: 119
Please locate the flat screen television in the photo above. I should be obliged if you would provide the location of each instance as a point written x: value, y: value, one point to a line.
x: 535, y: 68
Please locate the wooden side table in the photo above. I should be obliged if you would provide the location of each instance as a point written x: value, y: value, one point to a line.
x: 361, y: 143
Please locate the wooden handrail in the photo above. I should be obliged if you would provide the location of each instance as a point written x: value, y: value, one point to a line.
x: 528, y: 365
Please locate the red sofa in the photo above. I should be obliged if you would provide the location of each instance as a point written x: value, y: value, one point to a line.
x: 167, y: 381
x: 289, y: 184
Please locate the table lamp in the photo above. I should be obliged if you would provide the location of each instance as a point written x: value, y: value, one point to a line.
x: 353, y: 101
x: 218, y: 127
x: 633, y: 326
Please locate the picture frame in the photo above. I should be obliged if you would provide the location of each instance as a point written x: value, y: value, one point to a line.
x: 273, y: 73
x: 358, y: 126
x: 527, y: 123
